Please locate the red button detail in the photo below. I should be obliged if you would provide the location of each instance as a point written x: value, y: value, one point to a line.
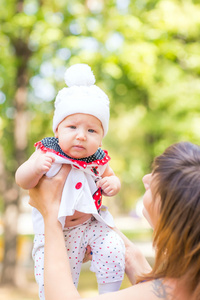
x: 78, y: 185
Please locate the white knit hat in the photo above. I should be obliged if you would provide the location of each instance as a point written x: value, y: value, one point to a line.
x: 81, y: 96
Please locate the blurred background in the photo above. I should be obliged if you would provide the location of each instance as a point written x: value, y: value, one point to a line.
x: 145, y: 55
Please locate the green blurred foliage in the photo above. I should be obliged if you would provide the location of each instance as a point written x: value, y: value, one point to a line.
x: 144, y: 54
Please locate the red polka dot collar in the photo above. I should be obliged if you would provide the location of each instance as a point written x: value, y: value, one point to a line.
x: 100, y: 157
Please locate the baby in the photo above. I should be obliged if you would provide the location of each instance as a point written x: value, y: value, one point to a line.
x: 80, y: 122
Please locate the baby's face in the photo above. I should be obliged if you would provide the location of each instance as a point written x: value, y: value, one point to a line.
x: 79, y: 135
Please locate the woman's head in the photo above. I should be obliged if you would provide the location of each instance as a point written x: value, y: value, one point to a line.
x: 176, y: 176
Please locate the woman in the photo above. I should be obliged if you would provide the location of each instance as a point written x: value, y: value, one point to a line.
x: 172, y: 207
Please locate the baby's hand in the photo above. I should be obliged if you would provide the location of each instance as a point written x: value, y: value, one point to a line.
x: 43, y: 162
x: 110, y: 185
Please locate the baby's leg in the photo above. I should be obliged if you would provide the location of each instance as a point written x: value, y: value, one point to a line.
x: 108, y: 259
x: 75, y: 246
x: 38, y: 257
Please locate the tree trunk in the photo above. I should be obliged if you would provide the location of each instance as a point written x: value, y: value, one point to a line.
x: 11, y: 190
x: 10, y: 234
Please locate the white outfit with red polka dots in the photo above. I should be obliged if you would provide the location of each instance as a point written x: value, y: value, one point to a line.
x: 107, y: 247
x: 78, y: 190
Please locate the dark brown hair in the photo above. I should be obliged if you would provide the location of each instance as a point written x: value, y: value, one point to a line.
x: 176, y: 176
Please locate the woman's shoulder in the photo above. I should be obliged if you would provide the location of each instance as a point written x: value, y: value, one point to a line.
x: 157, y: 289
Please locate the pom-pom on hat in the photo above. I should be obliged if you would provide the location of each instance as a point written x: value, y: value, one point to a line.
x: 81, y: 96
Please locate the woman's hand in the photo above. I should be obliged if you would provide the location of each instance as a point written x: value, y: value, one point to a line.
x: 47, y: 194
x: 135, y: 262
x: 46, y: 198
x: 88, y: 254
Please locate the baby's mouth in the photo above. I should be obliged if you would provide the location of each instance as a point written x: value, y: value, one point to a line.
x: 78, y: 147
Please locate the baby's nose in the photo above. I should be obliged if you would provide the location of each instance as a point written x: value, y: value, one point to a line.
x: 81, y: 135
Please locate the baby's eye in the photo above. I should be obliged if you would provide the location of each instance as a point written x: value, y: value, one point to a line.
x: 72, y: 127
x: 91, y: 130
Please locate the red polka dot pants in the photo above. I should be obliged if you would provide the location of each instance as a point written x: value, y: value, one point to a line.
x: 108, y: 259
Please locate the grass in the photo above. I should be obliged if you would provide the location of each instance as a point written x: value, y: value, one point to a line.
x: 142, y: 235
x: 87, y: 287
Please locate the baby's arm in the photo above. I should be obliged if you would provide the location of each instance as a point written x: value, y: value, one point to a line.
x: 29, y: 173
x: 109, y: 183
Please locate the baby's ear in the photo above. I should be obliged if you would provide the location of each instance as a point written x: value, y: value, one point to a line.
x: 56, y: 133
